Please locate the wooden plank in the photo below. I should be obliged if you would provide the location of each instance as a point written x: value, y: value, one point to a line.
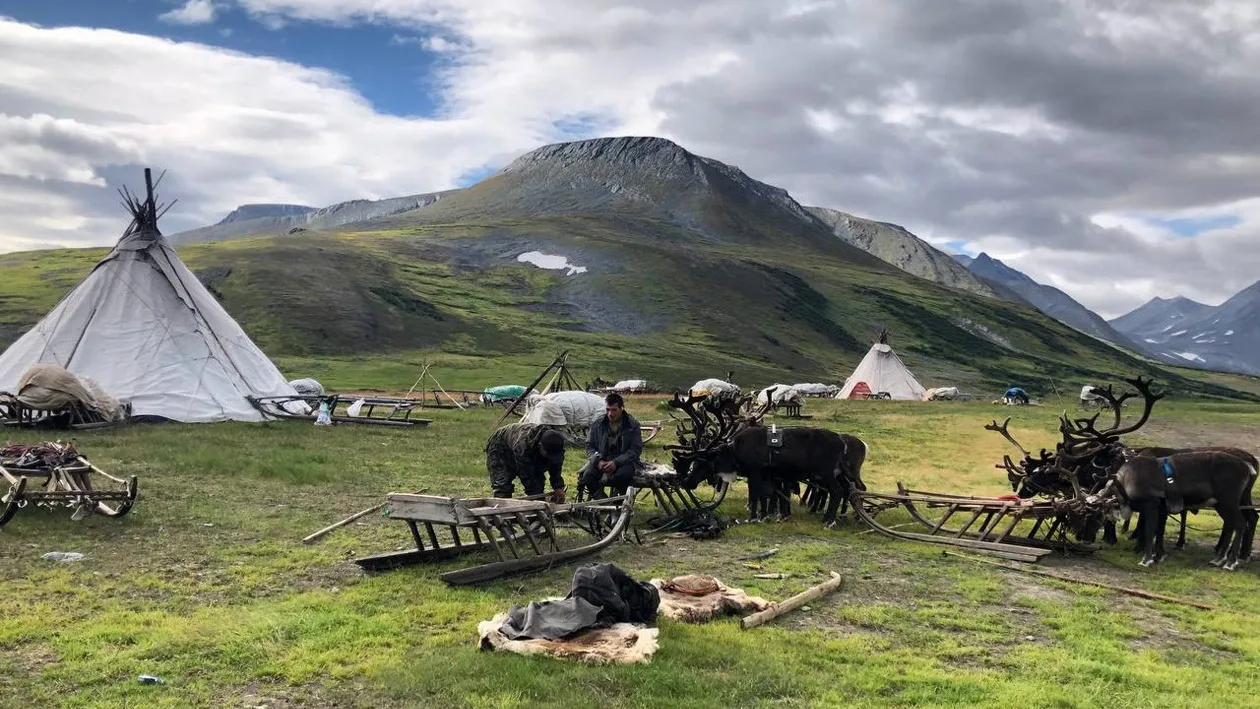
x: 425, y: 508
x: 790, y: 604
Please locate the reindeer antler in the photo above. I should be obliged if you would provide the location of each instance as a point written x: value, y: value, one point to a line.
x: 1001, y: 428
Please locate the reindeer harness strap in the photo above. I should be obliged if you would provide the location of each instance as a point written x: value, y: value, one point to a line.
x: 774, y: 441
x: 1172, y: 495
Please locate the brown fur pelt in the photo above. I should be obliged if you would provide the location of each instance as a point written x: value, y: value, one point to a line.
x: 624, y: 643
x: 676, y: 604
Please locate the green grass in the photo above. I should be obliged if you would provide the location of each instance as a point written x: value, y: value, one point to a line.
x: 207, y: 585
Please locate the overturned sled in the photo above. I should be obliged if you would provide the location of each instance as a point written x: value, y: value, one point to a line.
x: 55, y: 475
x: 525, y: 535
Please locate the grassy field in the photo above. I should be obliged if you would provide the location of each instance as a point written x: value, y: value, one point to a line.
x: 207, y: 585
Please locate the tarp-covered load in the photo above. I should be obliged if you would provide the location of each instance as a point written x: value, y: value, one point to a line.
x: 816, y: 389
x: 47, y: 387
x: 714, y: 388
x: 506, y: 392
x: 565, y: 408
x: 307, y: 387
x: 781, y: 393
x: 146, y: 330
x: 881, y: 370
x: 941, y: 394
x: 630, y: 385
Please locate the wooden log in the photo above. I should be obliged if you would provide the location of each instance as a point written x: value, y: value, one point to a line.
x: 1131, y: 591
x: 800, y: 599
x: 342, y: 523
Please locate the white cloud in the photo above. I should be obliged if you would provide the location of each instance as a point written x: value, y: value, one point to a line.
x: 231, y: 128
x: 193, y: 12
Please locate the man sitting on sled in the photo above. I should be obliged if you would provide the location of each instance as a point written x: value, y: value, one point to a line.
x: 612, y: 450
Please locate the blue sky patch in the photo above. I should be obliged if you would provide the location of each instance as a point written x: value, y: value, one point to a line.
x: 957, y: 246
x: 397, y: 77
x: 1193, y: 226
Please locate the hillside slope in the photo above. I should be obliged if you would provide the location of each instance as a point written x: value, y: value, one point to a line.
x: 1049, y: 300
x: 640, y: 257
x: 902, y: 249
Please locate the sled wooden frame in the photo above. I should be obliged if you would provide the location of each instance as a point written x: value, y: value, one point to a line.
x: 520, y: 532
x: 399, y: 410
x: 665, y: 487
x: 996, y: 534
x: 74, y: 417
x: 65, y: 486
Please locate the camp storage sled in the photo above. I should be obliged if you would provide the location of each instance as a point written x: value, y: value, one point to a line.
x: 1014, y: 529
x: 525, y: 535
x: 55, y: 475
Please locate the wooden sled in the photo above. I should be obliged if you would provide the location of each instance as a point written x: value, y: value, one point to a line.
x: 68, y: 484
x: 74, y: 417
x: 984, y: 525
x: 522, y: 533
x: 393, y: 411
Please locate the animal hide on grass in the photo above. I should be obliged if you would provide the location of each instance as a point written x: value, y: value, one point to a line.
x: 622, y: 643
x: 679, y: 601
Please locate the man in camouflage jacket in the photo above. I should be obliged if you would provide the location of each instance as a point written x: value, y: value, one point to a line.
x: 525, y: 451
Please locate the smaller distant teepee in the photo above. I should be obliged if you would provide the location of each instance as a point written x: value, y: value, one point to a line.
x: 881, y: 370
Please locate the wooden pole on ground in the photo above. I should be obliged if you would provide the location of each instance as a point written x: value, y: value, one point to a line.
x: 351, y: 518
x: 1131, y: 591
x: 800, y: 599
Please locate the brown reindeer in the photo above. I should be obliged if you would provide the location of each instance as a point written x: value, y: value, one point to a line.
x: 1157, y: 486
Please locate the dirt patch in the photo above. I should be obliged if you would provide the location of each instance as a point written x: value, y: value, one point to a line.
x: 1186, y: 433
x: 1025, y: 588
x: 32, y: 657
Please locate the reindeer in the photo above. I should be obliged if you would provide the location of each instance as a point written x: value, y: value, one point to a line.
x: 709, y: 451
x: 808, y: 454
x: 1089, y: 461
x: 1155, y: 486
x: 815, y: 497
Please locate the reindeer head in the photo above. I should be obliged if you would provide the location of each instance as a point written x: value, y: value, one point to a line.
x: 704, y: 451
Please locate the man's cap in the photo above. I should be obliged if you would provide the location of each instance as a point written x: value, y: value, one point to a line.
x: 553, y: 445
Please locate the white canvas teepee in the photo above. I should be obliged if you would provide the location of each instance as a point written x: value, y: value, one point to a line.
x: 149, y: 333
x: 881, y: 370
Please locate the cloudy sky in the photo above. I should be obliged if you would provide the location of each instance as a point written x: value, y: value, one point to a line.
x: 1109, y: 147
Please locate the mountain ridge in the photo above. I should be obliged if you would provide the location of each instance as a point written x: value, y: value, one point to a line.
x: 635, y: 255
x: 1223, y: 337
x: 901, y: 248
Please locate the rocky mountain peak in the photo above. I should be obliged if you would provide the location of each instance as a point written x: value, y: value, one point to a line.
x: 261, y: 211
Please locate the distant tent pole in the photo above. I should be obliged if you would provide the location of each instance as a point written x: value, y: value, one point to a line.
x: 561, y: 362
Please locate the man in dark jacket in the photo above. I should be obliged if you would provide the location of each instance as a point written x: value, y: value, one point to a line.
x: 612, y: 450
x: 525, y: 451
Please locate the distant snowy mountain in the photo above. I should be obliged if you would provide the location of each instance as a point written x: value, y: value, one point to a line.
x: 1225, y: 337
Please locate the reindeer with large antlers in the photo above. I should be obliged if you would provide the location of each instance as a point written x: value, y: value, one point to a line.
x: 746, y: 449
x: 1152, y: 481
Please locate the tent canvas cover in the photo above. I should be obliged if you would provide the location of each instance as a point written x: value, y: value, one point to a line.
x: 149, y: 333
x: 565, y: 408
x: 882, y: 370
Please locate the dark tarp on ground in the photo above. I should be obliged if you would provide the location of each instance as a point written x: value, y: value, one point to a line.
x: 599, y: 596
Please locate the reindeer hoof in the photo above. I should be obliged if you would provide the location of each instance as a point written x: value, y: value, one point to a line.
x: 1231, y: 566
x: 829, y: 525
x: 1146, y: 562
x: 1217, y: 561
